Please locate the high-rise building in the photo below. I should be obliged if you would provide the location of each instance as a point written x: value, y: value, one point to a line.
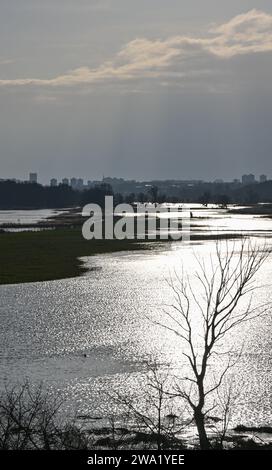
x: 73, y: 182
x: 33, y: 177
x: 77, y: 183
x: 263, y: 178
x: 80, y: 183
x: 53, y: 182
x: 248, y: 179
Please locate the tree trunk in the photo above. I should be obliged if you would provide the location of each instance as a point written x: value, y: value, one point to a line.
x: 200, y: 424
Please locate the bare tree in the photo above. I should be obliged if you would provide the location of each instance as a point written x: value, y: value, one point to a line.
x: 153, y: 191
x: 152, y: 409
x: 30, y: 419
x: 226, y: 398
x: 204, y: 312
x: 27, y: 418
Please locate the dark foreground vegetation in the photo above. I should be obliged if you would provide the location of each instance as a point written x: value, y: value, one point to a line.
x: 31, y: 418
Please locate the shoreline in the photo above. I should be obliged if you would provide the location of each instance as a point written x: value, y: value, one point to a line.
x: 52, y: 249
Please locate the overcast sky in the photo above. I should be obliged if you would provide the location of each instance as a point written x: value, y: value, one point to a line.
x: 135, y: 88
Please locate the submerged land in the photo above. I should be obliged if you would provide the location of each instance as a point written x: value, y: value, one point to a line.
x: 53, y: 248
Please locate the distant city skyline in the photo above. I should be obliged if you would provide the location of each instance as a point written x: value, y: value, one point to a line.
x: 43, y: 178
x: 81, y: 182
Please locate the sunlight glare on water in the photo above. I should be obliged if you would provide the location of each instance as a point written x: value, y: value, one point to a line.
x: 108, y: 315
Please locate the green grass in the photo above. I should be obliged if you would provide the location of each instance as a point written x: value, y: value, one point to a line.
x: 54, y: 254
x: 48, y: 255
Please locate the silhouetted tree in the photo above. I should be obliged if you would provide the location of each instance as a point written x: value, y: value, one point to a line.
x: 213, y: 305
x: 142, y: 197
x: 223, y: 201
x: 154, y: 190
x: 205, y: 198
x: 14, y: 195
x: 130, y: 198
x: 118, y: 198
x: 151, y: 409
x: 30, y: 420
x: 96, y: 195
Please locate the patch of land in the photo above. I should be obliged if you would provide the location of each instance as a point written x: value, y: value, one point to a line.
x: 51, y: 249
x: 51, y: 254
x: 46, y: 255
x: 256, y: 209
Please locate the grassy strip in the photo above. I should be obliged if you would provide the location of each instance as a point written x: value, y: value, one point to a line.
x: 53, y: 254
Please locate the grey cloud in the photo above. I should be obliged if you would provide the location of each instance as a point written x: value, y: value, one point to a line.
x: 173, y: 58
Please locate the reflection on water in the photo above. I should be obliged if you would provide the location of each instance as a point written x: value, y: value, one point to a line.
x: 47, y: 329
x: 26, y: 216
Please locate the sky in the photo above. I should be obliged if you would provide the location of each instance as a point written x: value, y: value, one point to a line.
x: 139, y: 89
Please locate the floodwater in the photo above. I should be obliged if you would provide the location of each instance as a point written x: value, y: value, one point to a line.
x: 26, y: 216
x: 86, y: 336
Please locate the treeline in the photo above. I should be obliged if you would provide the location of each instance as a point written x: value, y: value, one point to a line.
x: 15, y: 195
x: 231, y: 193
x: 253, y: 193
x: 205, y: 193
